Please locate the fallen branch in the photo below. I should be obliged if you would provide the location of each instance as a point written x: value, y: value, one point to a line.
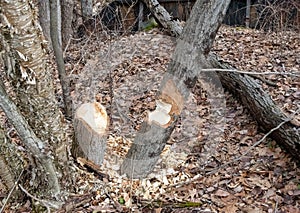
x: 295, y: 74
x: 199, y: 176
x: 11, y: 191
x: 48, y: 204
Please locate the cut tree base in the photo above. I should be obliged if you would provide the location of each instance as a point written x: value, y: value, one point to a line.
x: 90, y: 126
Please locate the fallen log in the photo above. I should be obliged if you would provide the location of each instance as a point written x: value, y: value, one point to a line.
x: 261, y: 107
x: 164, y: 18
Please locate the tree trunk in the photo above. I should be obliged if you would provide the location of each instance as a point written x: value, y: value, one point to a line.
x: 44, y: 18
x: 186, y: 64
x: 262, y: 108
x: 56, y: 43
x: 26, y: 65
x: 90, y: 125
x: 86, y: 9
x: 67, y: 18
x: 162, y: 15
x: 35, y: 146
x: 11, y: 164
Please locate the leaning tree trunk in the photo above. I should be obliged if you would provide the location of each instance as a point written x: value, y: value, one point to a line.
x: 189, y: 57
x: 26, y: 66
x: 162, y: 15
x: 261, y: 106
x: 33, y: 144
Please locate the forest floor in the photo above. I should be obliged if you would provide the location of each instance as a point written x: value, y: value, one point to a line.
x: 209, y: 164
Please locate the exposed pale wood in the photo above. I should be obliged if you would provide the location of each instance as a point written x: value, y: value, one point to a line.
x: 90, y: 125
x: 183, y: 71
x: 145, y: 150
x: 40, y: 124
x: 262, y: 107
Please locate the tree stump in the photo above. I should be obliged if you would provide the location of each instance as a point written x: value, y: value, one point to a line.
x: 90, y: 126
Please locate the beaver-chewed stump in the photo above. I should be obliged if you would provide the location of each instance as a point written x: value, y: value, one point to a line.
x: 90, y: 126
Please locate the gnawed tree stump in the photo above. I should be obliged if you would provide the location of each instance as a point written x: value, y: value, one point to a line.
x: 188, y: 60
x: 155, y: 131
x: 90, y: 126
x: 261, y: 106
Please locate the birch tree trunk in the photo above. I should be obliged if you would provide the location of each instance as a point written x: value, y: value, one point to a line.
x: 34, y: 145
x: 25, y: 62
x: 189, y: 58
x: 11, y: 163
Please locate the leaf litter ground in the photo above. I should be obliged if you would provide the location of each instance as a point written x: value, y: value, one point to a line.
x: 124, y: 73
x: 189, y: 177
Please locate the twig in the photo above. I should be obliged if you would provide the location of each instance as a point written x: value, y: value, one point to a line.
x: 197, y: 177
x: 67, y: 46
x: 116, y: 204
x: 254, y: 145
x: 11, y: 191
x: 46, y: 203
x: 297, y: 74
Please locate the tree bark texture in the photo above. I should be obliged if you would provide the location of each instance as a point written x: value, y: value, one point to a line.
x: 56, y: 43
x: 25, y: 61
x: 145, y: 150
x: 164, y: 17
x: 11, y: 163
x: 189, y: 58
x: 67, y: 7
x: 40, y: 150
x: 262, y: 108
x: 90, y: 125
x: 44, y: 18
x: 86, y: 9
